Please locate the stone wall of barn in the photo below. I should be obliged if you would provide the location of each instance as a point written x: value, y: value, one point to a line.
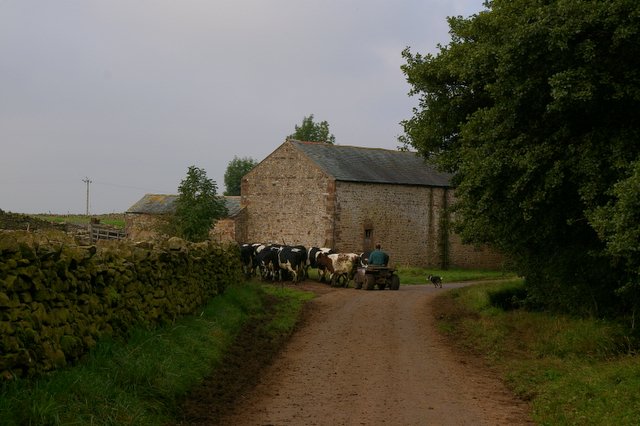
x: 408, y: 221
x: 404, y: 219
x: 224, y: 231
x: 229, y: 229
x: 240, y: 220
x: 466, y: 256
x: 288, y: 199
x: 141, y: 227
x: 145, y: 227
x: 471, y: 257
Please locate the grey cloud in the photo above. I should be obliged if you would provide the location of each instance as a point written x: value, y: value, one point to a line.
x: 130, y: 93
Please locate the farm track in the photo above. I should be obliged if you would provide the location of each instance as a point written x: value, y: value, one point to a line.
x: 370, y: 358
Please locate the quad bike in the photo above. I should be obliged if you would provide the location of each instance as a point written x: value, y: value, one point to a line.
x: 369, y: 276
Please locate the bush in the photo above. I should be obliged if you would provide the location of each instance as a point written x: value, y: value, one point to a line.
x: 508, y: 298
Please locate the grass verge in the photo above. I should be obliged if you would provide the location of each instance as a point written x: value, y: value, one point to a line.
x: 572, y: 370
x: 411, y: 275
x: 147, y: 380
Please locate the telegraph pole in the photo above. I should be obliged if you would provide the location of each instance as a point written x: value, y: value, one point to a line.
x: 87, y: 181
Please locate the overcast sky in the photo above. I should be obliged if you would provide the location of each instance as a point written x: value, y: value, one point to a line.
x: 130, y: 93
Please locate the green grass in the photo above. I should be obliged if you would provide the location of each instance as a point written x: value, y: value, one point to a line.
x: 414, y: 275
x: 141, y: 382
x: 114, y: 219
x: 573, y: 370
x: 411, y: 275
x: 287, y: 313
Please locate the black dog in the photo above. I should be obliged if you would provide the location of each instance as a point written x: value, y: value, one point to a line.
x: 435, y: 280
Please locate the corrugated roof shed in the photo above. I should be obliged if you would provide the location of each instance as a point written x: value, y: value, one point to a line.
x: 373, y: 165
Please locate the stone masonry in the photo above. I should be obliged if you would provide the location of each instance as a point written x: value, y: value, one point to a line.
x: 289, y: 199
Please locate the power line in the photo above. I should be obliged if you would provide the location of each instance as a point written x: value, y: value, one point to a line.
x: 95, y: 182
x: 128, y: 187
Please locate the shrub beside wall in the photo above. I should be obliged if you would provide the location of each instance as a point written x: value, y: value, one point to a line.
x: 58, y: 299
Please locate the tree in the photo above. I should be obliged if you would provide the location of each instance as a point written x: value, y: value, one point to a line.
x: 197, y: 206
x: 618, y: 224
x: 534, y: 106
x: 313, y: 132
x: 237, y: 168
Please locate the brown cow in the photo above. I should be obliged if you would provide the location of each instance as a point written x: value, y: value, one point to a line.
x: 339, y: 265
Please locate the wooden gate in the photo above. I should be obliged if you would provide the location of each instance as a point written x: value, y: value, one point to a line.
x: 105, y: 233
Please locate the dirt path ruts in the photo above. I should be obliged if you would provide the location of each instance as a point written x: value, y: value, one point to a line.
x: 372, y: 358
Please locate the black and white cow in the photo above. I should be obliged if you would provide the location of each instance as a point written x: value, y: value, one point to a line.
x: 266, y: 261
x: 364, y: 258
x: 312, y: 261
x: 292, y: 259
x: 247, y: 258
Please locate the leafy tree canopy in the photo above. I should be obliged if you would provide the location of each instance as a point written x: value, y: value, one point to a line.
x: 534, y: 105
x: 237, y: 168
x: 313, y: 132
x: 197, y: 206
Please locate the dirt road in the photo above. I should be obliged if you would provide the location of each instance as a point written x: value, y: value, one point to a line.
x: 374, y: 358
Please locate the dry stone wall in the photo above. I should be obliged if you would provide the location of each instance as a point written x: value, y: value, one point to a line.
x: 58, y: 299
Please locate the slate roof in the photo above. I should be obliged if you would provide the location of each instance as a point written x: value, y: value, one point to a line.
x: 233, y: 204
x: 164, y: 203
x: 372, y: 165
x: 154, y: 204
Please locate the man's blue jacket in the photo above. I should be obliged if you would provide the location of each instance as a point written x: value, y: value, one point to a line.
x: 379, y: 258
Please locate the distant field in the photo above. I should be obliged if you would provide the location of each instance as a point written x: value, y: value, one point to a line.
x: 112, y: 219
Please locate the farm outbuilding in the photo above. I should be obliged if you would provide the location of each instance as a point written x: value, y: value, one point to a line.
x: 142, y: 220
x: 350, y: 198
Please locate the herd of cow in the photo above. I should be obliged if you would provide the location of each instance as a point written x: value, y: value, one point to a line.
x: 282, y: 263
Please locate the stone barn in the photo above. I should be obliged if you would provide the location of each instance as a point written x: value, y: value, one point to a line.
x: 350, y: 198
x: 145, y: 216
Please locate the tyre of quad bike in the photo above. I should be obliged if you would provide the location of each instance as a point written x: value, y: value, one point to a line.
x: 395, y: 282
x: 370, y: 282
